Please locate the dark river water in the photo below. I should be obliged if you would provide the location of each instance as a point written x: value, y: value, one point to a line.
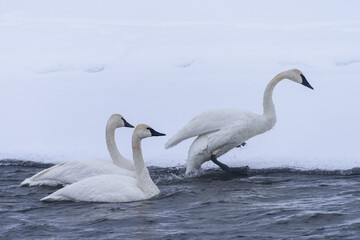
x: 264, y: 204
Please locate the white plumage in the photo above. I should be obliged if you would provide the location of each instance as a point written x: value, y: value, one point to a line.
x: 77, y: 169
x: 206, y: 122
x: 114, y: 188
x: 102, y: 188
x: 218, y: 131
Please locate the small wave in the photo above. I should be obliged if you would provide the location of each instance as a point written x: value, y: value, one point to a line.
x: 353, y: 171
x: 99, y: 220
x: 24, y: 163
x: 309, y: 217
x: 167, y: 175
x: 167, y: 195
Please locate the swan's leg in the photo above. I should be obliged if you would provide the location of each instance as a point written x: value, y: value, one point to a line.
x: 223, y: 166
x: 226, y: 168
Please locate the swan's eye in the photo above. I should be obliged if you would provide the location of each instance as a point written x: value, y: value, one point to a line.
x: 150, y: 130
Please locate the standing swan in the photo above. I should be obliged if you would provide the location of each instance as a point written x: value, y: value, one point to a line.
x: 115, y: 188
x: 221, y: 130
x: 77, y: 169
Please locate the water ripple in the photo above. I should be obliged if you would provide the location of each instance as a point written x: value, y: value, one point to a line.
x: 281, y: 203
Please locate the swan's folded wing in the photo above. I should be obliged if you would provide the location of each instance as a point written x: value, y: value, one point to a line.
x: 235, y: 134
x: 209, y: 121
x: 73, y: 171
x: 227, y: 138
x: 102, y: 188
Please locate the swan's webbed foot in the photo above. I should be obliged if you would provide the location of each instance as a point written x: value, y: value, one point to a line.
x: 226, y: 168
x: 241, y: 145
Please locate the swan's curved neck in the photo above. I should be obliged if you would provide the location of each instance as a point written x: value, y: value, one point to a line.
x: 144, y: 180
x: 269, y: 108
x: 117, y: 158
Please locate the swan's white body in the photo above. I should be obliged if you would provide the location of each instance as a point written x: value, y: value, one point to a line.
x: 102, y: 188
x: 227, y: 136
x: 77, y: 169
x: 113, y: 188
x: 221, y: 130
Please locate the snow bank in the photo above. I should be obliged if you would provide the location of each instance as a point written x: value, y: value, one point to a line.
x: 66, y: 66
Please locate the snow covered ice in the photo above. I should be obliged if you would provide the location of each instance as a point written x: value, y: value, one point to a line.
x: 67, y: 66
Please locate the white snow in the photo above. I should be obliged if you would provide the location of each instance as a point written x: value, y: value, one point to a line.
x: 66, y: 66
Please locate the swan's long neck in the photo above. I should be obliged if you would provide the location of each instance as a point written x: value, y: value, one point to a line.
x: 144, y: 180
x: 269, y: 108
x: 117, y: 158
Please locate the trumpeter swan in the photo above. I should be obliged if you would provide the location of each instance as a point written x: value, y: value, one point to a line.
x: 77, y: 169
x: 115, y: 188
x: 218, y: 131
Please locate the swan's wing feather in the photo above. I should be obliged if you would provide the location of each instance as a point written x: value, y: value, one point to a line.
x: 227, y: 138
x: 73, y: 171
x: 206, y: 122
x: 102, y: 188
x: 235, y: 134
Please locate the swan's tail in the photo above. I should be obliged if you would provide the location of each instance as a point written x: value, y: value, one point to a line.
x: 26, y: 182
x: 41, y: 178
x: 183, y: 134
x: 29, y: 182
x: 173, y: 141
x: 59, y: 195
x: 54, y: 197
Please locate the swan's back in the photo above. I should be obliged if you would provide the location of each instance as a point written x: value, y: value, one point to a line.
x: 103, y: 188
x: 209, y: 121
x: 73, y: 171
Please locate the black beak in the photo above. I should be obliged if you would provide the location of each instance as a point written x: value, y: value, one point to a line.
x: 305, y: 82
x: 155, y: 133
x: 126, y: 124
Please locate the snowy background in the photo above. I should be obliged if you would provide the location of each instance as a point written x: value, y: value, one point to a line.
x: 66, y: 66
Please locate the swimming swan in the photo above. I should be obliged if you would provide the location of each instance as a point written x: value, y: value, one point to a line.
x: 218, y: 131
x: 115, y: 188
x: 77, y: 169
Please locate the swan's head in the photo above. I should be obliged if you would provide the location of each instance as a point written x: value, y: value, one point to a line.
x: 296, y: 76
x: 118, y: 121
x: 144, y: 131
